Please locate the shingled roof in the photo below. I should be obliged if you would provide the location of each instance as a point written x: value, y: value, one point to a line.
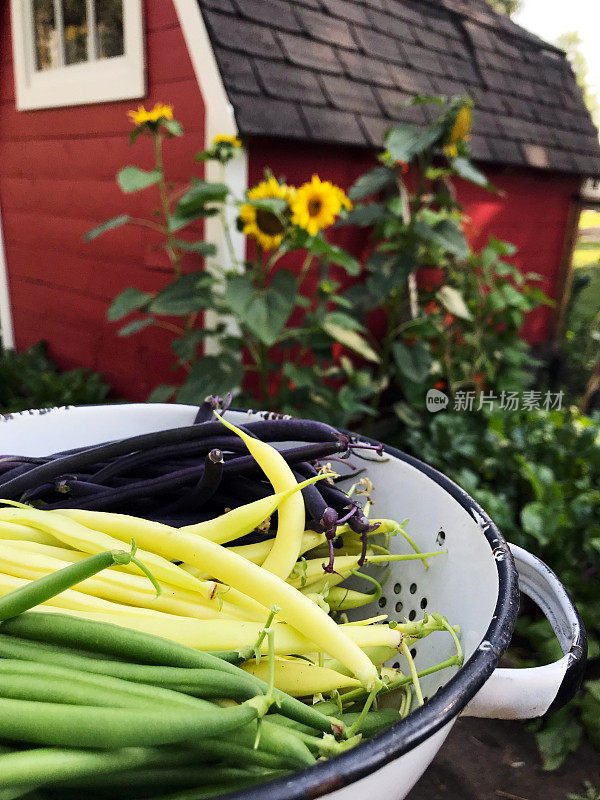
x: 337, y: 70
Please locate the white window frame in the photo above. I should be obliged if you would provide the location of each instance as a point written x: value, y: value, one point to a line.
x: 104, y: 81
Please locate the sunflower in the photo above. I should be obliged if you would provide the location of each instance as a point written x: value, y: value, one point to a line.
x: 317, y: 204
x: 141, y: 116
x: 266, y: 227
x: 460, y: 130
x: 224, y: 138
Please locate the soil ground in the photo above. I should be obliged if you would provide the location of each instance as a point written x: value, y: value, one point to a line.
x: 498, y: 760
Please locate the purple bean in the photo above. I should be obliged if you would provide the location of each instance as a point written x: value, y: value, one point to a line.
x: 130, y: 461
x: 206, y: 486
x: 233, y: 466
x: 313, y: 499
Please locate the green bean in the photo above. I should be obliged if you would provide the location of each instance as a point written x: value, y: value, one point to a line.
x: 238, y: 753
x: 47, y: 587
x: 67, y: 686
x: 24, y: 791
x: 55, y: 684
x: 276, y: 739
x: 169, y: 778
x: 114, y: 640
x: 374, y: 721
x: 47, y: 765
x: 201, y: 792
x: 91, y: 726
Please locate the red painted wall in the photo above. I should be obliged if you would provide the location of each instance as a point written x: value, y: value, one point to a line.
x: 57, y: 169
x: 530, y: 209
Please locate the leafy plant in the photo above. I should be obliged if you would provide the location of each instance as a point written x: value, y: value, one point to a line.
x: 285, y: 365
x: 458, y: 326
x: 590, y: 793
x: 31, y: 380
x: 537, y: 473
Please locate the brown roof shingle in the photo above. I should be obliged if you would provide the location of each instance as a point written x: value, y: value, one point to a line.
x: 336, y: 70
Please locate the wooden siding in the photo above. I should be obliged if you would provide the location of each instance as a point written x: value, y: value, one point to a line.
x: 530, y: 209
x: 57, y: 170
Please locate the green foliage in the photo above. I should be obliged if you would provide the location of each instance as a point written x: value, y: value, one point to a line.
x: 505, y: 6
x: 31, y: 380
x: 571, y: 43
x: 108, y: 225
x: 537, y: 474
x: 590, y: 793
x: 315, y: 355
x: 460, y: 328
x: 133, y: 179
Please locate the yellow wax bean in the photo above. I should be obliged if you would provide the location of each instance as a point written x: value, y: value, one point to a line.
x: 299, y: 678
x: 248, y: 578
x: 207, y: 593
x: 378, y: 655
x: 318, y: 587
x: 77, y: 601
x: 234, y: 634
x: 217, y: 593
x: 286, y: 548
x: 10, y: 530
x: 95, y: 541
x: 76, y: 535
x: 339, y: 598
x: 260, y: 550
x: 308, y: 572
x: 243, y: 520
x: 63, y: 553
x: 131, y: 590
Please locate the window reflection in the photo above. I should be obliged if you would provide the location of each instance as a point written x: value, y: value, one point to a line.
x: 78, y: 39
x: 109, y: 28
x: 46, y: 37
x: 75, y: 31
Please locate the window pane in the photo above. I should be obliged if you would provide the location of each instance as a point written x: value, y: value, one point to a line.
x: 46, y: 38
x: 109, y: 28
x: 75, y: 27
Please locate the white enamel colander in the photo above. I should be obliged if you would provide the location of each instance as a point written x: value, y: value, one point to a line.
x: 475, y: 585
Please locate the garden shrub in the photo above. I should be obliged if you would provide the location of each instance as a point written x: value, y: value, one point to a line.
x: 537, y: 473
x: 31, y: 380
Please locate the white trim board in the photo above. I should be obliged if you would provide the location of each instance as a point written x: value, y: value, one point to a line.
x: 7, y: 336
x: 220, y: 119
x: 103, y: 81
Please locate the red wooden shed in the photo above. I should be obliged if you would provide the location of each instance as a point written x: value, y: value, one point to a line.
x: 311, y: 85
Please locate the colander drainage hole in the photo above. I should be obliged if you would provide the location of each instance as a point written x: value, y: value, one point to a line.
x: 441, y: 538
x: 397, y: 588
x: 399, y: 606
x: 413, y: 588
x: 424, y: 603
x: 412, y: 615
x: 382, y: 602
x: 396, y: 664
x: 413, y: 653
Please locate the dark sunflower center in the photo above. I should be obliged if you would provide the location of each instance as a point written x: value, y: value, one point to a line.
x: 314, y: 207
x: 268, y: 222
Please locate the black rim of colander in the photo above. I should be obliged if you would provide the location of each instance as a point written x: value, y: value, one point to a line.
x: 447, y: 703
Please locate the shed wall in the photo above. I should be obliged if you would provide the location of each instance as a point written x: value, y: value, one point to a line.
x: 57, y: 180
x: 530, y: 208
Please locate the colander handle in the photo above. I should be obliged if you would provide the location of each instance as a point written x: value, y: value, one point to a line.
x: 528, y: 693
